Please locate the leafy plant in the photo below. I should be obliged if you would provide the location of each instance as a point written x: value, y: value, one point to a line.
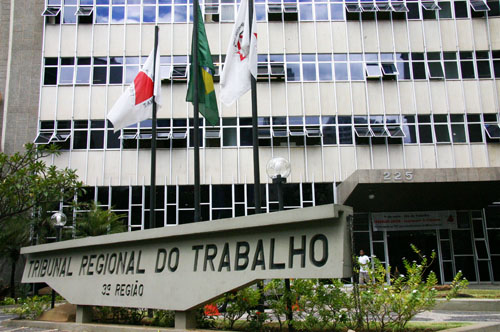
x: 26, y: 181
x: 8, y: 301
x: 392, y: 305
x: 28, y: 188
x: 32, y: 307
x: 238, y: 303
x: 324, y: 304
x: 97, y: 221
x: 274, y: 291
x: 163, y: 318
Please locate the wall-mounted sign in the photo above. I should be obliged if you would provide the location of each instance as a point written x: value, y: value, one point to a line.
x: 400, y: 221
x: 179, y: 268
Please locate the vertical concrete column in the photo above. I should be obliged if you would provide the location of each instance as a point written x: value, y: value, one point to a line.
x: 185, y: 319
x: 83, y: 314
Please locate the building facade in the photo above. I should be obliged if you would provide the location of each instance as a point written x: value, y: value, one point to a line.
x: 388, y: 106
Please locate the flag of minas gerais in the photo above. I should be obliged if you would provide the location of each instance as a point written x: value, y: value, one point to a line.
x: 206, y: 93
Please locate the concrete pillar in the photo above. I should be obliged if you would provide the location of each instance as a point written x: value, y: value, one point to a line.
x: 185, y: 319
x: 83, y: 314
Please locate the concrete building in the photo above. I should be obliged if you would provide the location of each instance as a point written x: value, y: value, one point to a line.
x: 390, y: 107
x: 21, y: 38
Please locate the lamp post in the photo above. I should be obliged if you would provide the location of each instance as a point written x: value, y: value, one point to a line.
x: 278, y: 169
x: 58, y: 220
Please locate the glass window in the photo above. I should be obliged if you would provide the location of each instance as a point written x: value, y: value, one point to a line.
x: 133, y: 14
x: 467, y: 68
x: 227, y: 13
x: 321, y: 12
x: 413, y: 10
x: 425, y: 133
x: 445, y: 11
x: 337, y: 12
x: 50, y: 76
x: 260, y: 12
x: 69, y: 14
x: 164, y: 14
x: 82, y: 75
x: 410, y: 133
x: 419, y: 71
x: 483, y: 68
x: 309, y: 71
x: 458, y: 133
x: 117, y: 14
x: 450, y: 69
x: 325, y: 71
x: 373, y: 70
x: 293, y: 72
x: 305, y: 13
x: 403, y: 70
x: 149, y: 14
x: 435, y: 70
x: 100, y: 74
x: 229, y: 137
x: 494, y: 8
x: 442, y: 133
x: 357, y: 71
x: 329, y: 135
x: 102, y: 14
x: 460, y: 9
x: 475, y: 133
x: 341, y: 72
x: 115, y: 74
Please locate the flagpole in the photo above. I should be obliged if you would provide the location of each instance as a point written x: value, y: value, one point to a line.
x: 255, y: 130
x: 152, y: 194
x: 196, y: 113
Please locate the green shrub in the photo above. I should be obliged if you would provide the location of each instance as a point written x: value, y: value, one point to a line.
x: 8, y: 301
x: 392, y: 305
x: 237, y: 304
x: 163, y: 318
x: 32, y: 307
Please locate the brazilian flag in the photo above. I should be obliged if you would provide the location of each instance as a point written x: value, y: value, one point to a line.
x: 206, y: 93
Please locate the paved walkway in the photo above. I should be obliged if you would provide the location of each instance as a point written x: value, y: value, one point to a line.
x: 458, y: 316
x: 4, y: 316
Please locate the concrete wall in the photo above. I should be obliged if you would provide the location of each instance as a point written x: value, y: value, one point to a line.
x: 21, y: 92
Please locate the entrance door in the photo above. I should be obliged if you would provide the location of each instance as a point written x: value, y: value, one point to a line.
x: 399, y: 248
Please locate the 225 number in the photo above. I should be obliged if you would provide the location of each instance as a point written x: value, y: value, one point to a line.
x: 398, y: 176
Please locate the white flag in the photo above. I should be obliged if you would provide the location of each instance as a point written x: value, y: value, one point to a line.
x: 136, y: 102
x: 241, y: 58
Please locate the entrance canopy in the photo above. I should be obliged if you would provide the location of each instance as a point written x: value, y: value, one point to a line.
x: 421, y: 189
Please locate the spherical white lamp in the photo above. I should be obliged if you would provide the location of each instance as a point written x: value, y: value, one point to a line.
x: 58, y: 219
x: 278, y: 167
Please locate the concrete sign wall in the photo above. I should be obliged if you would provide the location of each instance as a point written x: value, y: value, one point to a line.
x: 182, y: 267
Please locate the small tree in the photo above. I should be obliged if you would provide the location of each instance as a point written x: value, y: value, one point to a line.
x: 28, y: 187
x: 393, y: 304
x: 97, y: 221
x: 27, y: 182
x: 239, y: 303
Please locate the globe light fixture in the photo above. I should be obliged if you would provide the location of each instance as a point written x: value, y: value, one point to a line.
x: 58, y: 219
x: 278, y: 167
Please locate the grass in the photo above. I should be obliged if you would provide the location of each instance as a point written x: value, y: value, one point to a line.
x: 434, y: 326
x: 475, y: 293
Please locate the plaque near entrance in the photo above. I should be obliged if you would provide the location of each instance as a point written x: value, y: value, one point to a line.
x: 183, y: 267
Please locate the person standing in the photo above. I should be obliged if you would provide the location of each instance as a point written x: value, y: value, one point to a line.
x: 363, y: 261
